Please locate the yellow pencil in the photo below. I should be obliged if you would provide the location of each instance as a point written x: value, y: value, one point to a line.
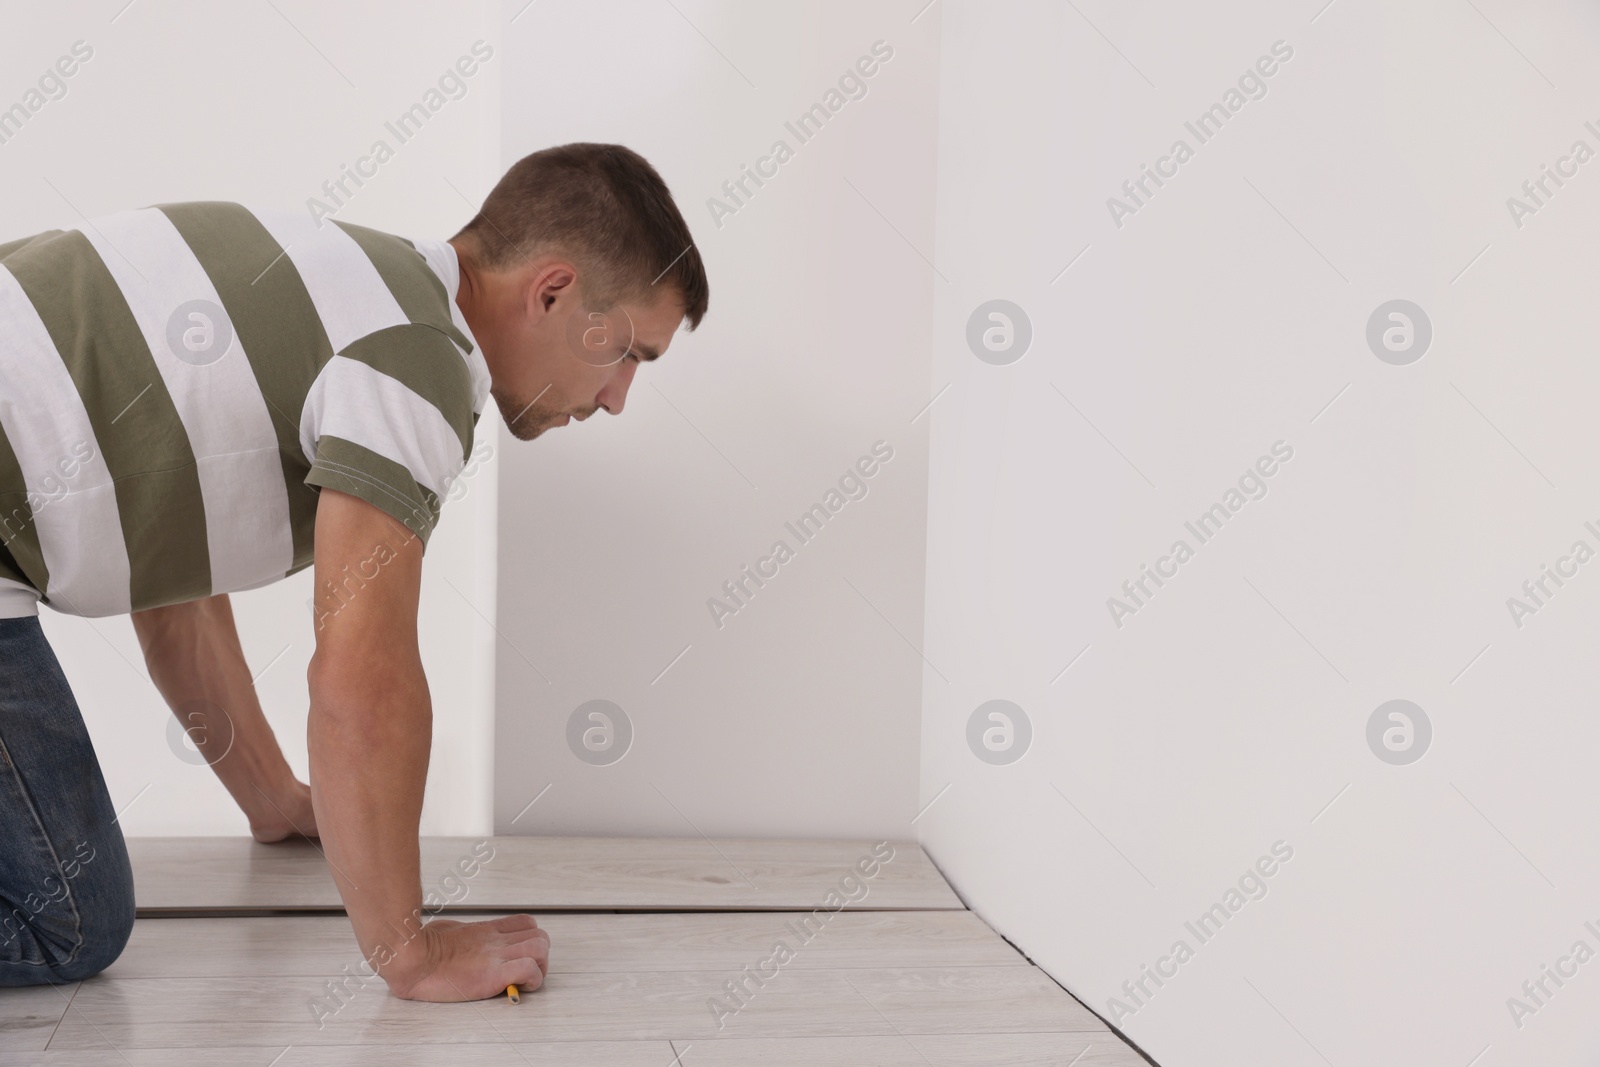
x: 512, y: 994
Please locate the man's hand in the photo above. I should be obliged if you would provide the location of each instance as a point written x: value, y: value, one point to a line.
x: 451, y: 961
x: 286, y: 817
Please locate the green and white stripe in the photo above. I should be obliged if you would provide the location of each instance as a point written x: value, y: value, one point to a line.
x: 350, y: 368
x: 40, y: 432
x: 246, y: 528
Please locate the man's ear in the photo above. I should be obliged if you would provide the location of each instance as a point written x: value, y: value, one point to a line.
x: 550, y: 283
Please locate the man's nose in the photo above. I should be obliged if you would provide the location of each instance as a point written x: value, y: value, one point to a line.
x: 615, y: 393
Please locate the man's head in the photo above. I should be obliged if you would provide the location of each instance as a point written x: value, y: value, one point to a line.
x: 578, y: 268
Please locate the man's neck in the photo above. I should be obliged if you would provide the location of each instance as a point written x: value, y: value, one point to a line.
x: 468, y: 285
x: 472, y: 297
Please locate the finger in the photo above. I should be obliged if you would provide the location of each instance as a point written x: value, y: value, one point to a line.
x: 536, y: 943
x: 525, y: 974
x: 511, y: 923
x: 536, y: 947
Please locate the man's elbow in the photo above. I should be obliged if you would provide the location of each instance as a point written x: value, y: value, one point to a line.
x: 358, y: 692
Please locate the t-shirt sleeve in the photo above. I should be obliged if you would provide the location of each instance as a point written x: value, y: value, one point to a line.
x: 389, y: 419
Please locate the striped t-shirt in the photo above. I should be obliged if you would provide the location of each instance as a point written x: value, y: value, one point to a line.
x: 179, y: 382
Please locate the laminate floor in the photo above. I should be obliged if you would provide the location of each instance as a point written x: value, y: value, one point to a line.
x: 236, y: 873
x: 230, y: 965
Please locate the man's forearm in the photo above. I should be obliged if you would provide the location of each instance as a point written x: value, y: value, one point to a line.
x: 369, y: 733
x: 193, y: 654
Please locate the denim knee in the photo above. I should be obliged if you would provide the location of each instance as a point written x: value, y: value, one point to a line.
x: 102, y: 893
x: 106, y: 912
x: 105, y: 934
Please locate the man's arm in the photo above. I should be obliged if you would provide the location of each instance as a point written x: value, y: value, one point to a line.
x: 193, y: 654
x: 369, y: 731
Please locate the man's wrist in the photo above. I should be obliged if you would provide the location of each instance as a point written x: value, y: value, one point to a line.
x: 403, y: 954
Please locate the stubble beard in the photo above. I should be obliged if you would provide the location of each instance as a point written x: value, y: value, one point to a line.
x: 526, y: 418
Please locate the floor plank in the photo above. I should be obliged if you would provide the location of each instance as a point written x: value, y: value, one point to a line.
x: 29, y: 1014
x: 324, y: 944
x: 900, y: 975
x: 261, y: 1011
x: 540, y: 1054
x: 958, y: 1050
x: 971, y: 1000
x: 237, y: 873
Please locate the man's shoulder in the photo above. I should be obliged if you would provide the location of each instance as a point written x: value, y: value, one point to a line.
x: 423, y: 360
x: 415, y: 282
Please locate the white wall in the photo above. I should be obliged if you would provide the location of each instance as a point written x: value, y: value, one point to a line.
x: 1231, y: 711
x: 263, y: 103
x: 1167, y: 754
x: 799, y: 715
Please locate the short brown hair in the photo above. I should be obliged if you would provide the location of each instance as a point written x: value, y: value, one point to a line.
x: 604, y: 206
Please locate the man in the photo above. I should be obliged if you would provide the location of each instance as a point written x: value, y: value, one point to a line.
x: 197, y: 399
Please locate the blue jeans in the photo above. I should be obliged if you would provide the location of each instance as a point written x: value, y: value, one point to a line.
x: 66, y: 888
